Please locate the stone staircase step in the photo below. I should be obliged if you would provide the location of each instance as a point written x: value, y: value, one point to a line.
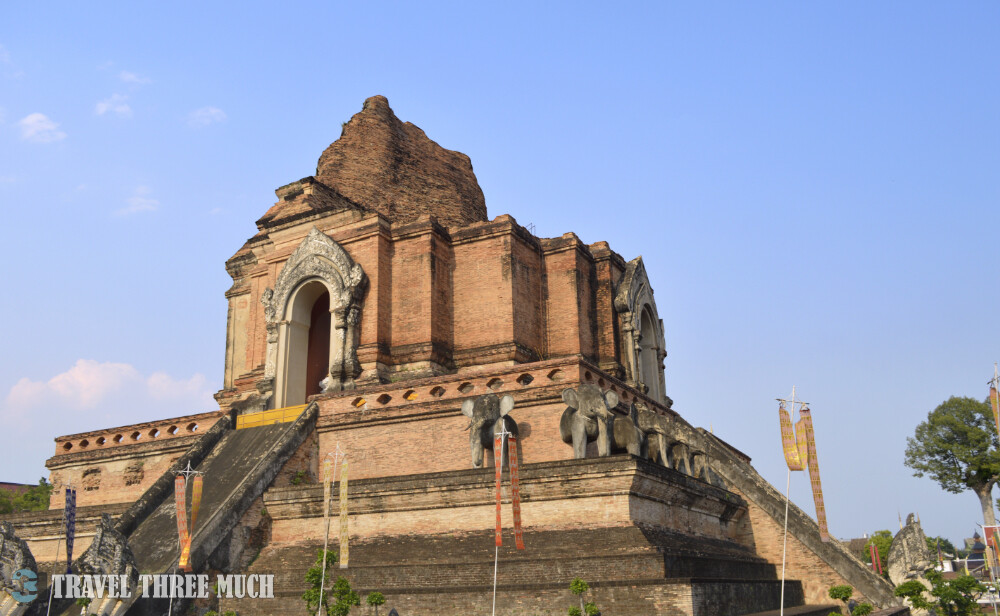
x: 802, y: 610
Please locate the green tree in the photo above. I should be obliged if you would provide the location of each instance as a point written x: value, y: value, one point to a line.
x: 947, y: 547
x: 375, y: 599
x: 339, y: 592
x: 958, y: 448
x: 345, y: 598
x: 949, y: 598
x: 578, y: 587
x: 883, y: 541
x: 35, y: 498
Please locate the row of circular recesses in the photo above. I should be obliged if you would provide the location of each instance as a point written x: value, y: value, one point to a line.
x: 493, y: 384
x: 135, y: 436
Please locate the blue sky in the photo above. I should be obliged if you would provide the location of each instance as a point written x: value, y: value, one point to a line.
x: 810, y: 186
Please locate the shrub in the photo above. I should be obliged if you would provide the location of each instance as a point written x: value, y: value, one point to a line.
x: 375, y: 599
x: 340, y: 591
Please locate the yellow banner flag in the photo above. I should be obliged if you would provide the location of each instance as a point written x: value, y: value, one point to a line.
x: 995, y: 403
x: 184, y: 562
x: 800, y: 452
x: 793, y: 457
x: 327, y: 477
x: 813, y: 462
x: 343, y: 515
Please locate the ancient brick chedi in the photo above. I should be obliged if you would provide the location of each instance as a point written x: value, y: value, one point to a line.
x: 379, y: 312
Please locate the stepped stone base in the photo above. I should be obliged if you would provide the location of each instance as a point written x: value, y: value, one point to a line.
x: 649, y: 540
x: 803, y: 610
x: 638, y: 571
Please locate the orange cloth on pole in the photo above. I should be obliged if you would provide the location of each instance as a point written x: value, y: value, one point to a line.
x: 800, y: 452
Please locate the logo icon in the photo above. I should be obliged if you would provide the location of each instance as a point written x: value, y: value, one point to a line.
x: 25, y: 579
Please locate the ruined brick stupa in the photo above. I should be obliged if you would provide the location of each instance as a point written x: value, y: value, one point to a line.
x: 379, y: 310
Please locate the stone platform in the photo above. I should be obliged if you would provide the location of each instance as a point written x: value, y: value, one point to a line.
x: 648, y: 539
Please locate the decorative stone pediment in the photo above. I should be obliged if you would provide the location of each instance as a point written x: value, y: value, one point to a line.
x: 317, y: 259
x: 643, y: 347
x: 318, y: 256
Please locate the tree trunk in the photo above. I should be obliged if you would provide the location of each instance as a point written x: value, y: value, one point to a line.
x: 985, y: 494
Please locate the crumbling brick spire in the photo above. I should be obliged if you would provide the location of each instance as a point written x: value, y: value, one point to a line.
x: 393, y: 167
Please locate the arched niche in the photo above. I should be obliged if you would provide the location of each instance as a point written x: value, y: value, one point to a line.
x: 318, y: 268
x: 641, y: 343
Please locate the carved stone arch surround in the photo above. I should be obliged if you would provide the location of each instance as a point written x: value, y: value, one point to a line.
x: 317, y: 258
x: 635, y: 294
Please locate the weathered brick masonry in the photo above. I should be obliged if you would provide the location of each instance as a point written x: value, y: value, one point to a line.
x: 380, y: 293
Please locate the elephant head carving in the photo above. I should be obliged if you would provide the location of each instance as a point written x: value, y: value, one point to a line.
x: 661, y: 433
x: 588, y: 417
x: 679, y: 457
x: 487, y: 415
x: 627, y: 436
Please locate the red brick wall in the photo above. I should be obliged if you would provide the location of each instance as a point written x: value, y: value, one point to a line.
x: 488, y: 293
x: 801, y: 563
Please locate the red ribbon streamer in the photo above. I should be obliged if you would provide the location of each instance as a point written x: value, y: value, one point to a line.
x: 876, y: 561
x: 515, y: 493
x: 498, y: 455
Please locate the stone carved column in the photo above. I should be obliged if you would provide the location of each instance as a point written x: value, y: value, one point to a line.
x: 14, y: 556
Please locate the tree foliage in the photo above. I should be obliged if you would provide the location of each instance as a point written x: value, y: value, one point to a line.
x: 339, y: 592
x: 883, y: 541
x: 947, y: 547
x: 842, y: 592
x: 35, y: 498
x: 578, y: 587
x: 375, y: 599
x: 948, y: 598
x: 958, y: 447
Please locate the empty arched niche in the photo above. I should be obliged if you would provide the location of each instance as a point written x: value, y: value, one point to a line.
x: 306, y: 343
x: 313, y: 320
x: 649, y: 362
x: 641, y: 342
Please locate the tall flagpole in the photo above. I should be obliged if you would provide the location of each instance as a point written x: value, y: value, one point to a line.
x: 989, y: 559
x: 788, y: 482
x: 187, y: 472
x: 496, y: 558
x: 336, y: 453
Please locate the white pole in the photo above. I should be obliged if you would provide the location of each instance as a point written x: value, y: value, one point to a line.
x: 989, y: 559
x: 326, y: 539
x: 784, y: 544
x: 496, y: 558
x: 496, y: 562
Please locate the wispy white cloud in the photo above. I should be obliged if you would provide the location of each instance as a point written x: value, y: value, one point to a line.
x: 206, y: 116
x: 140, y: 201
x: 9, y: 70
x: 38, y: 128
x: 90, y: 385
x: 129, y: 77
x: 116, y: 104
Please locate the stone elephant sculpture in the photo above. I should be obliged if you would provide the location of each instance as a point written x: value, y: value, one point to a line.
x: 661, y: 435
x: 588, y: 417
x: 487, y: 415
x: 701, y: 469
x: 627, y: 435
